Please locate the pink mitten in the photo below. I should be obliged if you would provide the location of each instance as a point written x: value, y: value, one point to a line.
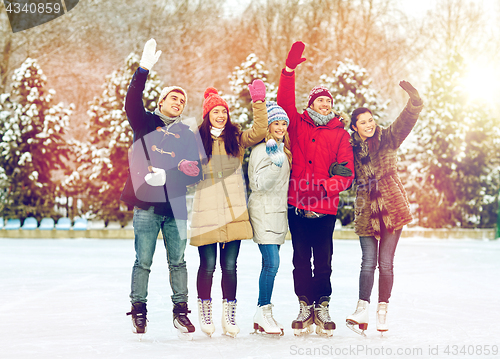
x: 189, y: 168
x: 257, y: 90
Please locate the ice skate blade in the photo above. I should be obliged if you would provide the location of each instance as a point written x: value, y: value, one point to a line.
x: 352, y: 325
x: 302, y: 332
x: 208, y: 334
x: 182, y: 332
x: 324, y: 332
x: 184, y: 336
x: 257, y: 329
x: 229, y: 334
x: 266, y: 335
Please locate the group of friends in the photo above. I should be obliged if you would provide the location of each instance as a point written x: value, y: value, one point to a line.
x: 299, y: 164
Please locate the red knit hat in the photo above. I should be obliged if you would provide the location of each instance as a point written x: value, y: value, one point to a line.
x: 317, y: 92
x: 212, y: 99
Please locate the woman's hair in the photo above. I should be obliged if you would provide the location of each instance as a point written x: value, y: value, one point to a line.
x: 231, y: 137
x: 286, y: 141
x: 355, y: 114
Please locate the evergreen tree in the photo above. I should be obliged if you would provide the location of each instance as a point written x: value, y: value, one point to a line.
x: 351, y: 88
x: 452, y: 158
x: 33, y: 147
x: 103, y: 160
x: 240, y: 102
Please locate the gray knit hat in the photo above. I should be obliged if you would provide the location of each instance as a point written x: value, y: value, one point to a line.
x: 275, y: 113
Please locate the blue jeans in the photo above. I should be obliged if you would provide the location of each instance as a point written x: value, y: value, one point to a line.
x: 147, y: 225
x: 381, y: 252
x: 208, y: 256
x: 270, y: 264
x: 312, y: 239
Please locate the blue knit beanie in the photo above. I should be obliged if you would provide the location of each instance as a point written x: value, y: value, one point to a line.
x: 275, y: 113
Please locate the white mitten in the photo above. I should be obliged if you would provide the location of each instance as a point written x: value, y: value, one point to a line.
x: 149, y: 55
x: 157, y: 178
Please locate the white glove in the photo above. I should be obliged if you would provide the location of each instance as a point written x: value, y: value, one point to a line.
x: 157, y: 178
x: 149, y: 55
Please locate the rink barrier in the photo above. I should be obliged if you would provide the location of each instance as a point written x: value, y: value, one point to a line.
x: 344, y: 233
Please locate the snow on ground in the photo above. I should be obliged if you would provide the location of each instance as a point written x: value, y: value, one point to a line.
x: 68, y: 299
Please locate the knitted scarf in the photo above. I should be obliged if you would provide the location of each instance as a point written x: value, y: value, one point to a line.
x: 167, y: 120
x: 364, y: 169
x: 216, y: 131
x: 319, y: 119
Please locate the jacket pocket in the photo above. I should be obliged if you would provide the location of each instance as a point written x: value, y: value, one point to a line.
x: 275, y: 220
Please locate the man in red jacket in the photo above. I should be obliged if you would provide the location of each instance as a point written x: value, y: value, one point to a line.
x: 318, y: 140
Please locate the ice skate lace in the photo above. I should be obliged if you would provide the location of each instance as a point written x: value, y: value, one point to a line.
x: 304, y: 312
x: 231, y: 312
x: 206, y: 309
x: 323, y: 314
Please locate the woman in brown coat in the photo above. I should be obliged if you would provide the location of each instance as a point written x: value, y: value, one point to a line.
x: 381, y: 207
x: 220, y: 216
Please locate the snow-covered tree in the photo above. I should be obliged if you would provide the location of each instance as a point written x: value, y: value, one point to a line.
x: 451, y: 164
x: 33, y: 146
x: 103, y: 160
x: 240, y: 101
x: 351, y: 88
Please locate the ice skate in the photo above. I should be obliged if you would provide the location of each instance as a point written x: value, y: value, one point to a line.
x: 229, y: 326
x: 305, y: 319
x: 264, y: 323
x: 205, y: 316
x: 181, y: 321
x: 324, y: 324
x: 359, y: 318
x: 139, y: 319
x: 382, y: 317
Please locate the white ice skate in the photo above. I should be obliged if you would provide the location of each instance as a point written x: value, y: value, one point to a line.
x: 359, y: 318
x: 264, y: 323
x: 382, y: 317
x: 229, y: 326
x: 324, y: 324
x: 205, y: 316
x: 303, y: 324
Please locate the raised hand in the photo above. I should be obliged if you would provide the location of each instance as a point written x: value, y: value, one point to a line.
x: 257, y: 90
x: 412, y: 92
x: 339, y: 169
x: 149, y: 55
x: 189, y: 168
x: 276, y: 153
x: 295, y: 55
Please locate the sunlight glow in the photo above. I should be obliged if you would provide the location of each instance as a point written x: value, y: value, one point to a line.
x: 482, y: 83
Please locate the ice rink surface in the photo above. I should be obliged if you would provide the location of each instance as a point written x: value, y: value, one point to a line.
x: 68, y: 299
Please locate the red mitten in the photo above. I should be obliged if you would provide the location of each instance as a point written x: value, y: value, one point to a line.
x: 295, y: 55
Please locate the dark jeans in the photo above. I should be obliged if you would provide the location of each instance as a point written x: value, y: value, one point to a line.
x: 208, y: 257
x: 312, y: 238
x: 381, y: 252
x: 270, y: 264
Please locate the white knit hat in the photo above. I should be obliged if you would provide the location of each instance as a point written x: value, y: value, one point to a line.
x: 167, y: 90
